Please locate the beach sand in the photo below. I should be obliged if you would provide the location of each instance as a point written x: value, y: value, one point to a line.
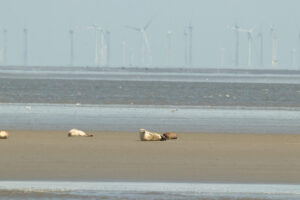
x: 121, y: 156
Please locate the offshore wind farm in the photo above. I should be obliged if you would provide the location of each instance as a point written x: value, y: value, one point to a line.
x: 102, y: 49
x: 154, y: 41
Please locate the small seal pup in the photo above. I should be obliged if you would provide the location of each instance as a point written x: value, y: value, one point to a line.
x: 76, y: 132
x: 3, y: 134
x: 150, y: 136
x: 170, y: 136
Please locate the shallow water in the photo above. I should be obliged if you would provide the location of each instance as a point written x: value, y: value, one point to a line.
x: 158, y: 118
x: 144, y: 190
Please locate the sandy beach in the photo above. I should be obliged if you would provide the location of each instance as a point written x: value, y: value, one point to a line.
x: 112, y: 156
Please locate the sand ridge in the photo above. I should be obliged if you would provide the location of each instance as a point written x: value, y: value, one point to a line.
x: 199, y: 157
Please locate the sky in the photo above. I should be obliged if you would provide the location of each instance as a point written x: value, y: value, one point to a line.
x: 48, y: 23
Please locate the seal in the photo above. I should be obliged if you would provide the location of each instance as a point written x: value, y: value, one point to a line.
x: 170, y: 135
x: 150, y: 136
x: 76, y: 132
x: 3, y: 134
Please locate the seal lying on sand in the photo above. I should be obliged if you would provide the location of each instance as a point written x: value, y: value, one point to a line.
x: 76, y: 132
x: 170, y: 135
x: 150, y: 136
x: 3, y: 134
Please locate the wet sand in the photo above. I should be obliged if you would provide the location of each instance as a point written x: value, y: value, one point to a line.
x: 120, y: 156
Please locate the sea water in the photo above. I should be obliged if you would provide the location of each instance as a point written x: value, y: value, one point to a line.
x: 144, y: 190
x: 149, y: 88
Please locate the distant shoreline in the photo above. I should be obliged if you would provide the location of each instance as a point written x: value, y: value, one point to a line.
x: 159, y: 69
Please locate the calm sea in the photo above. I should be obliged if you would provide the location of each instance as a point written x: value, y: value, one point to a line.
x: 155, y: 87
x: 142, y: 190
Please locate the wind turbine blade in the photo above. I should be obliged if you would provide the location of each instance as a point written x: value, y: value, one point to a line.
x: 133, y: 28
x: 148, y: 24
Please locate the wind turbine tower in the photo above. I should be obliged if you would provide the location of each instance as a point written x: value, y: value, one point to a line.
x: 237, y: 44
x: 190, y: 45
x: 25, y: 38
x: 250, y: 41
x: 274, y: 46
x: 146, y: 54
x: 4, y: 46
x: 169, y: 47
x: 96, y: 29
x: 236, y: 30
x: 71, y: 32
x: 261, y: 46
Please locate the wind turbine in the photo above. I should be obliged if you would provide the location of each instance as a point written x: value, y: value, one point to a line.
x: 25, y: 38
x: 274, y: 46
x: 236, y: 29
x: 103, y: 49
x: 145, y: 49
x: 97, y: 29
x: 169, y: 46
x: 72, y: 32
x: 250, y: 41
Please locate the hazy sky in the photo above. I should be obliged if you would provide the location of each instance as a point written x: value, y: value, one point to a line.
x: 49, y: 21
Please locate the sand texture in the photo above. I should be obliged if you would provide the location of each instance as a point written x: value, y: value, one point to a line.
x: 51, y: 155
